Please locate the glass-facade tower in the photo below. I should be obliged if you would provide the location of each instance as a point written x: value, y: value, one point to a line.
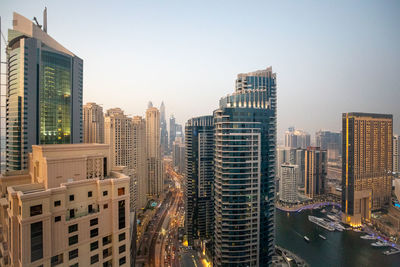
x: 44, y: 93
x: 244, y: 187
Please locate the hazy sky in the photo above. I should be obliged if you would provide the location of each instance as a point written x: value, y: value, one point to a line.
x: 330, y: 56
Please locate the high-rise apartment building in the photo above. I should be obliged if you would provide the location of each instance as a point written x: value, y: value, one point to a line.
x: 69, y: 209
x: 244, y: 158
x: 93, y: 123
x: 178, y: 154
x: 139, y: 158
x: 118, y: 135
x: 366, y: 165
x: 296, y: 138
x: 288, y: 183
x: 294, y: 156
x: 330, y: 141
x: 396, y: 155
x: 44, y: 92
x: 172, y: 131
x: 315, y: 170
x: 164, y: 132
x: 199, y: 176
x: 153, y: 152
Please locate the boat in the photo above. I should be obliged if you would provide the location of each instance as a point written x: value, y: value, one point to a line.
x: 339, y: 227
x: 332, y: 217
x: 368, y: 237
x: 306, y: 238
x: 323, y: 211
x: 380, y: 244
x: 334, y: 210
x: 391, y: 252
x: 323, y: 237
x: 316, y: 208
x: 321, y: 222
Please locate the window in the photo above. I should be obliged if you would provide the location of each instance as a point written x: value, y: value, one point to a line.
x: 90, y: 208
x: 73, y: 254
x: 94, y: 232
x: 94, y: 221
x: 57, y: 218
x: 36, y: 210
x: 57, y: 203
x: 122, y: 249
x: 121, y: 214
x: 94, y: 245
x: 71, y: 197
x: 74, y: 265
x: 72, y: 240
x: 107, y: 252
x: 121, y: 191
x: 56, y: 260
x: 107, y: 240
x: 36, y: 241
x: 105, y: 193
x: 89, y: 194
x: 107, y: 263
x: 72, y: 228
x: 122, y: 261
x: 105, y: 206
x: 72, y: 213
x: 94, y: 259
x: 121, y: 237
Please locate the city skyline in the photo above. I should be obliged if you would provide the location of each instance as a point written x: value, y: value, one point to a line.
x: 161, y: 49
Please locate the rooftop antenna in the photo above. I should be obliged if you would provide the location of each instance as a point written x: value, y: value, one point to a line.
x: 45, y: 19
x: 37, y: 23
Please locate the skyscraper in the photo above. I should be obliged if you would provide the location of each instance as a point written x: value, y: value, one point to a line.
x: 245, y: 143
x: 118, y: 134
x: 172, y: 131
x: 396, y: 155
x: 153, y: 152
x: 288, y: 183
x: 199, y: 179
x: 315, y: 171
x: 93, y: 123
x: 366, y: 165
x: 164, y: 132
x: 296, y: 138
x: 139, y: 158
x: 330, y: 141
x: 44, y: 94
x: 178, y: 154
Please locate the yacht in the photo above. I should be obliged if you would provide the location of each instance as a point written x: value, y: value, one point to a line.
x: 332, y: 217
x: 323, y: 211
x: 306, y: 238
x: 368, y: 237
x: 339, y: 227
x: 321, y: 222
x: 323, y: 237
x: 380, y: 244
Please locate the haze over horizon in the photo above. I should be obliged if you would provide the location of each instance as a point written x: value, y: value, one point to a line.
x: 330, y: 57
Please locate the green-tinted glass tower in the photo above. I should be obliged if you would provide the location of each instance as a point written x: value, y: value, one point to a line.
x: 44, y: 93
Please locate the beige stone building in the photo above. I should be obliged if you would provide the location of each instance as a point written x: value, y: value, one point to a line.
x: 153, y: 151
x: 139, y: 159
x: 93, y: 123
x: 69, y: 208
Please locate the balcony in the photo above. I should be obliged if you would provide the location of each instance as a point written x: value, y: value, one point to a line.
x: 81, y: 214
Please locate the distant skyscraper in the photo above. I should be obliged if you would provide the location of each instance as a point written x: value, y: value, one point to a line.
x: 44, y: 94
x: 154, y: 167
x: 164, y: 132
x: 140, y: 158
x: 293, y: 156
x: 178, y: 154
x: 199, y: 179
x: 330, y: 141
x: 93, y: 123
x: 315, y: 171
x: 296, y: 138
x: 366, y: 165
x: 172, y: 131
x: 244, y: 157
x: 288, y: 183
x: 150, y: 104
x: 396, y: 155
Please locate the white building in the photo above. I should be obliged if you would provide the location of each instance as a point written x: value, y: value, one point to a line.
x: 288, y: 183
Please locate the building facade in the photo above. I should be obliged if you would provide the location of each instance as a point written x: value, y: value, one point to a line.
x: 331, y: 142
x: 44, y: 93
x: 396, y: 155
x: 288, y: 183
x: 93, y: 123
x: 199, y: 174
x: 153, y: 153
x: 366, y: 165
x: 244, y: 162
x: 139, y: 158
x: 172, y: 131
x: 164, y: 132
x: 178, y: 154
x: 69, y: 209
x: 315, y: 171
x: 296, y: 138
